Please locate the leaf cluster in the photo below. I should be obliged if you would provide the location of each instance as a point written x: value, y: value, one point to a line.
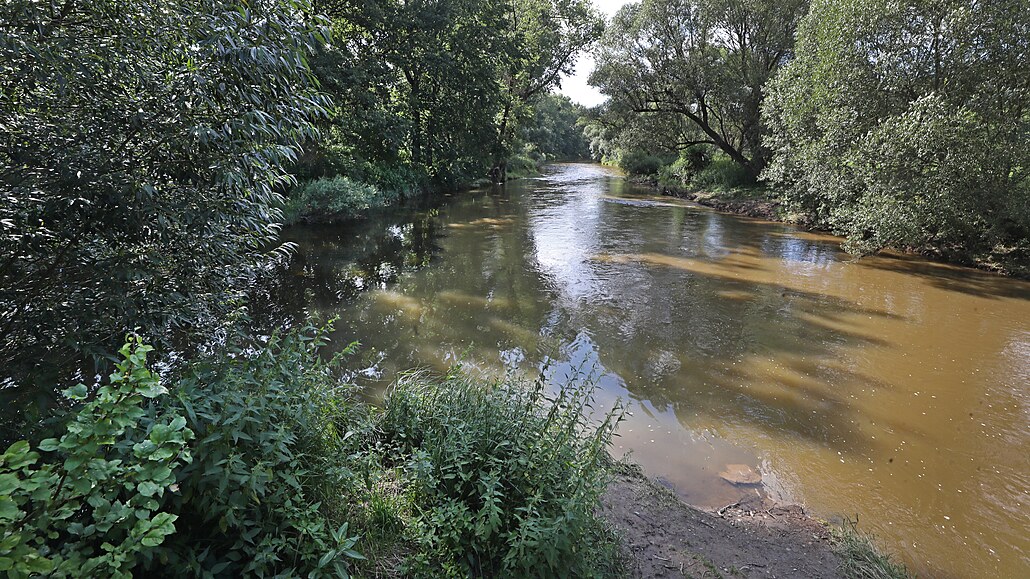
x: 143, y: 151
x: 90, y: 502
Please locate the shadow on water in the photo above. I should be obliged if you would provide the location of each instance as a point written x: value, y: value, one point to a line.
x: 952, y: 278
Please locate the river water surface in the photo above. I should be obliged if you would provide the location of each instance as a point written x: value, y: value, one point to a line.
x: 891, y: 389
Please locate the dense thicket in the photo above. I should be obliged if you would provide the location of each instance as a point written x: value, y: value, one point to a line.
x: 907, y: 124
x: 143, y: 145
x: 554, y: 131
x: 256, y: 462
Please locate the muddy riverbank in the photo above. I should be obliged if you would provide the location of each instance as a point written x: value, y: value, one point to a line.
x: 664, y: 537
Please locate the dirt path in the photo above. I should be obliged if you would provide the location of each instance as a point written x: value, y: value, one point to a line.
x: 666, y: 538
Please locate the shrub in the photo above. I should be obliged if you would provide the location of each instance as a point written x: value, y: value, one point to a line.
x: 265, y: 493
x: 690, y: 161
x: 507, y: 481
x: 335, y: 198
x: 261, y: 463
x: 276, y: 457
x: 722, y: 174
x: 639, y: 163
x: 520, y: 166
x: 89, y: 505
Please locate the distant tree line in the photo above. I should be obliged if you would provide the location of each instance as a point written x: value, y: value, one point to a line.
x: 896, y: 124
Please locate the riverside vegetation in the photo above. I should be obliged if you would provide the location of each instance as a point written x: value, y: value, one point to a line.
x: 147, y: 149
x: 258, y: 462
x: 893, y: 124
x: 151, y: 153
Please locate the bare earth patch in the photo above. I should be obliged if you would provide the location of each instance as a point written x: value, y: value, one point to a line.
x: 664, y: 537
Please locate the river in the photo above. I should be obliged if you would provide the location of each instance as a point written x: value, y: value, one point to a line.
x: 890, y: 389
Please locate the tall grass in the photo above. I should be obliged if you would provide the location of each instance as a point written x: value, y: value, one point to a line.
x: 508, y: 478
x: 860, y: 559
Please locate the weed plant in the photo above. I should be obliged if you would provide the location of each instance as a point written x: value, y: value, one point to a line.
x: 506, y: 477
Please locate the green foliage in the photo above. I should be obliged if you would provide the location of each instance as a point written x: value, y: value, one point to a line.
x: 640, y: 163
x: 89, y: 503
x: 440, y: 87
x: 247, y: 468
x: 335, y: 198
x: 687, y: 165
x: 554, y: 131
x: 276, y: 460
x: 507, y: 482
x: 904, y: 124
x: 144, y: 142
x: 722, y: 174
x: 261, y: 463
x: 524, y: 165
x: 692, y: 72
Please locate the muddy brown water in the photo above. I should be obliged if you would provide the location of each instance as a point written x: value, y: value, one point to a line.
x: 889, y: 388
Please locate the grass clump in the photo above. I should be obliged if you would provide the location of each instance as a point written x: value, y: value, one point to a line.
x: 860, y: 559
x: 506, y: 478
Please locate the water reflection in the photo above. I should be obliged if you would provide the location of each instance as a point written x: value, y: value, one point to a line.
x: 888, y: 387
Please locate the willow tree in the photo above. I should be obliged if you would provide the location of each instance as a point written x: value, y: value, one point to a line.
x: 907, y: 124
x: 705, y: 62
x: 142, y: 146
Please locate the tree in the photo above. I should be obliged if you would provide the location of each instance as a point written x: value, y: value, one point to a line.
x: 553, y: 130
x: 143, y: 147
x: 452, y: 81
x: 544, y: 38
x: 702, y: 61
x: 905, y: 124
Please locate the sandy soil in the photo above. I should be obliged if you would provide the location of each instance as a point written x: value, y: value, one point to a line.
x: 664, y: 537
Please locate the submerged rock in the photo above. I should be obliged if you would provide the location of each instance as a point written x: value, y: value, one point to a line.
x: 740, y: 474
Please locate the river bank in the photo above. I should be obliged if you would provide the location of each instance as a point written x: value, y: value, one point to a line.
x: 733, y: 341
x: 664, y: 537
x: 761, y: 203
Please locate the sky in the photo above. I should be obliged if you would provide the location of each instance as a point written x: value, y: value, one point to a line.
x: 575, y: 86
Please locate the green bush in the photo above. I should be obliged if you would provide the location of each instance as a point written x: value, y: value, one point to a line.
x: 507, y: 482
x: 722, y: 174
x: 261, y: 463
x: 520, y: 166
x: 276, y: 459
x: 245, y: 470
x: 639, y: 163
x: 689, y: 163
x: 335, y: 198
x: 89, y: 503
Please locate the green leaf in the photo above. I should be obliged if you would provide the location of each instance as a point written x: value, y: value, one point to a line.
x: 77, y: 392
x: 49, y: 444
x: 157, y: 529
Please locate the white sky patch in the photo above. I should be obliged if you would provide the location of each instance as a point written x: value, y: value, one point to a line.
x: 576, y: 87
